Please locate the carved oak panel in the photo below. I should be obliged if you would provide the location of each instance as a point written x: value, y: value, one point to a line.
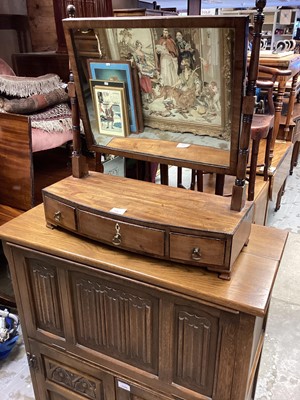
x: 45, y: 292
x: 73, y: 380
x: 196, y: 335
x: 122, y: 321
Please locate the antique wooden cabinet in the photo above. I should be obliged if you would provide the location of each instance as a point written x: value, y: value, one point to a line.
x: 105, y: 324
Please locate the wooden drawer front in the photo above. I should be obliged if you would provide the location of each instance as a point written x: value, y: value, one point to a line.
x: 212, y: 251
x: 60, y: 214
x: 132, y: 237
x: 68, y: 377
x: 75, y: 381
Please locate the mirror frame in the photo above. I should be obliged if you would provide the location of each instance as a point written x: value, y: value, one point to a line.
x: 166, y: 152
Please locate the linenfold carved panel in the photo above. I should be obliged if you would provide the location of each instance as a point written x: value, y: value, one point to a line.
x: 196, y: 346
x: 73, y: 380
x: 121, y: 322
x: 44, y: 287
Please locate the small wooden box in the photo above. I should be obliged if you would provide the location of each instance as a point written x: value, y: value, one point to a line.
x: 160, y: 221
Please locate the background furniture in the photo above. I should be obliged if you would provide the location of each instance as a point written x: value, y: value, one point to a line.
x: 292, y: 63
x: 19, y: 24
x: 30, y: 159
x: 36, y: 64
x: 279, y: 24
x: 104, y: 324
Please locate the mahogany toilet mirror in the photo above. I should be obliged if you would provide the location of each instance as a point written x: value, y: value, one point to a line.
x: 175, y: 86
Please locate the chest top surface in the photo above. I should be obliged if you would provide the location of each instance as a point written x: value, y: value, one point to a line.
x: 248, y: 290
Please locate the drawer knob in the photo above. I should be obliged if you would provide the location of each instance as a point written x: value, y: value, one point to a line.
x: 196, y: 254
x: 117, y: 239
x: 57, y: 216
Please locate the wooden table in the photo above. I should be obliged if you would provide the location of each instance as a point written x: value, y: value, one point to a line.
x: 104, y: 323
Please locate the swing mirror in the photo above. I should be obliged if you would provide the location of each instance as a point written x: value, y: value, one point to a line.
x: 166, y: 90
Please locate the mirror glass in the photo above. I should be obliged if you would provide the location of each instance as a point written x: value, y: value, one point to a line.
x: 163, y: 89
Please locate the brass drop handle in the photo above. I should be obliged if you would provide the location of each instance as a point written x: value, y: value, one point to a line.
x: 117, y: 239
x: 57, y: 216
x: 196, y: 254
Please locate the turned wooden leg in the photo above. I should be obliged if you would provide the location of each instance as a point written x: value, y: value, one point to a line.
x: 164, y: 177
x: 253, y: 165
x: 267, y: 154
x: 278, y: 108
x: 295, y: 155
x: 279, y: 196
x: 220, y: 180
x: 292, y: 98
x: 199, y: 181
x: 179, y: 178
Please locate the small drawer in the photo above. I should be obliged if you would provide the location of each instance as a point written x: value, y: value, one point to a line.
x: 59, y: 214
x: 189, y: 248
x: 122, y: 234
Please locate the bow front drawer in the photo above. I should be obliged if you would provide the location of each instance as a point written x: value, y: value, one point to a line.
x: 204, y: 250
x: 122, y: 234
x: 60, y: 214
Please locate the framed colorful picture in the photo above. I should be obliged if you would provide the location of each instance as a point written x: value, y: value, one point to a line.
x: 117, y: 72
x: 109, y: 99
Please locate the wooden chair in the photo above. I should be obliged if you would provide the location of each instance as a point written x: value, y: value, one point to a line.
x: 261, y: 128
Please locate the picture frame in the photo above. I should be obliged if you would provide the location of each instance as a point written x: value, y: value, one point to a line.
x: 114, y: 71
x: 285, y: 17
x: 111, y: 114
x: 168, y: 103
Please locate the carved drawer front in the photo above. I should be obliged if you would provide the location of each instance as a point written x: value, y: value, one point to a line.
x: 73, y: 380
x: 210, y: 251
x: 68, y: 377
x: 123, y: 235
x: 117, y: 320
x: 60, y: 214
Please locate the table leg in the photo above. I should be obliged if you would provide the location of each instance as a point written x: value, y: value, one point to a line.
x: 292, y: 99
x: 278, y: 109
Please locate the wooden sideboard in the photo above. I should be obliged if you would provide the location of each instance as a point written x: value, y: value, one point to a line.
x: 101, y: 323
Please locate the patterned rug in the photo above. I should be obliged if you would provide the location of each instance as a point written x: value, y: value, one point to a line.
x: 56, y: 118
x: 25, y: 86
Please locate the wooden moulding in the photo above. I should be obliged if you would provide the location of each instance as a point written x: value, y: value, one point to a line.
x: 163, y: 222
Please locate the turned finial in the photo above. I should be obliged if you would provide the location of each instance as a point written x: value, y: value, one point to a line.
x: 71, y: 10
x: 260, y: 5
